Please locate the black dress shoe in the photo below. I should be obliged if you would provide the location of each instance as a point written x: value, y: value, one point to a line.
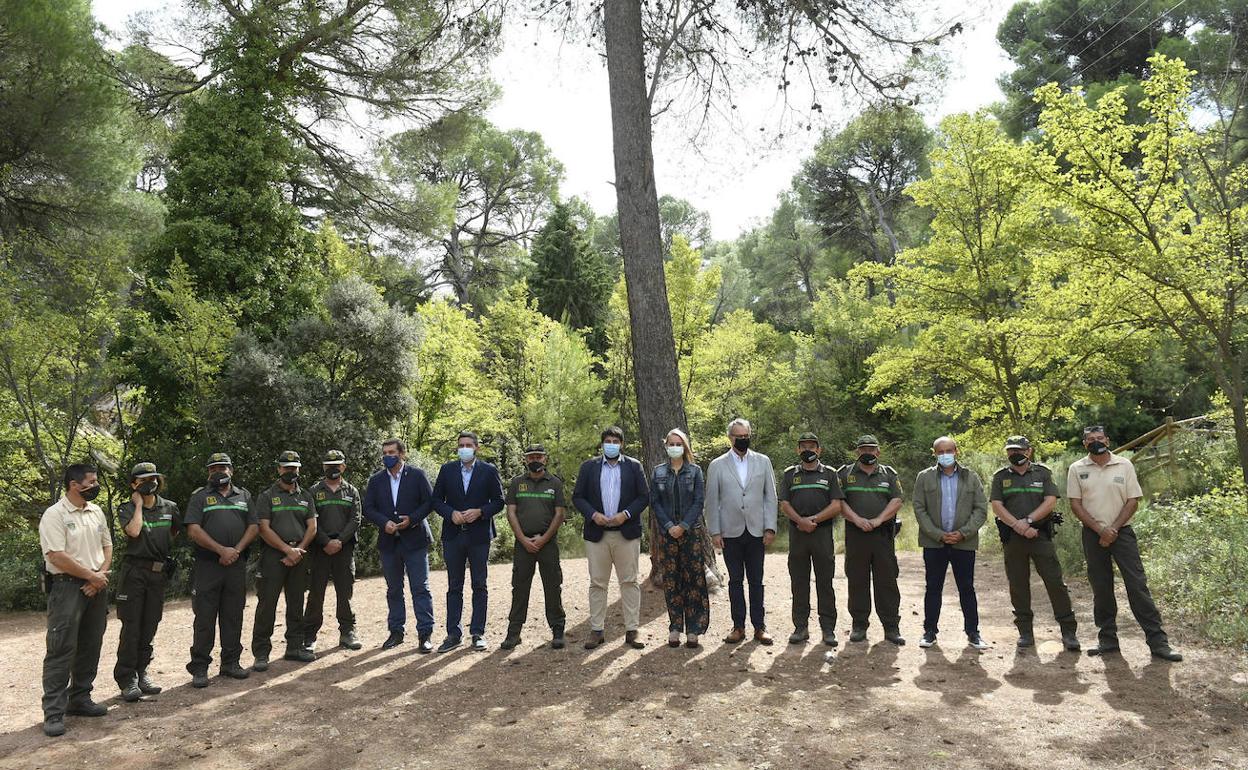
x: 449, y: 643
x: 630, y: 638
x: 393, y: 640
x: 424, y: 646
x: 1103, y: 649
x: 87, y: 708
x: 1165, y: 653
x: 1070, y: 641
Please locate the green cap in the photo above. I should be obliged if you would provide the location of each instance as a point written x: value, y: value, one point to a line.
x: 289, y: 459
x: 334, y: 457
x: 143, y: 470
x: 219, y: 458
x: 1017, y: 442
x: 867, y: 440
x: 535, y: 449
x: 808, y: 436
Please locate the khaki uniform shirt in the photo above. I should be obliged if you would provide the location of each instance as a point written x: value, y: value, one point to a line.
x: 82, y: 533
x: 1103, y: 489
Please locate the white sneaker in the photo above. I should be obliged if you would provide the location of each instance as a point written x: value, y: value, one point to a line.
x: 977, y: 642
x: 928, y: 640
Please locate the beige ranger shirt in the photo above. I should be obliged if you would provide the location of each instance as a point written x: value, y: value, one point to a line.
x: 1103, y: 489
x: 82, y: 533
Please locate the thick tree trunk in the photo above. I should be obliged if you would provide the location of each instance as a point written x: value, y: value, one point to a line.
x: 659, y: 404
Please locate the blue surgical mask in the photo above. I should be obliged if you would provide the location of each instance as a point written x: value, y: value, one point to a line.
x: 466, y: 453
x: 611, y: 451
x: 947, y: 459
x: 389, y: 461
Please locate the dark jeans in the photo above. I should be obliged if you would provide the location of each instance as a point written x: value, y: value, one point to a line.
x: 476, y: 558
x: 523, y: 565
x: 871, y: 559
x: 743, y: 555
x: 140, y: 605
x: 341, y: 568
x: 818, y: 549
x: 414, y: 563
x: 273, y: 580
x: 218, y: 594
x: 1020, y: 554
x: 75, y: 634
x: 936, y: 563
x: 1125, y: 552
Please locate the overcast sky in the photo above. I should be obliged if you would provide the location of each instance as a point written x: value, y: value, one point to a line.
x: 560, y: 91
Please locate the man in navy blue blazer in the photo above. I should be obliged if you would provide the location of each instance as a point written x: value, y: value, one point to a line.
x: 467, y: 495
x: 398, y: 500
x: 611, y: 493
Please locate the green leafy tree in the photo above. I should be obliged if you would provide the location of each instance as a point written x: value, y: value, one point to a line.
x: 1162, y: 240
x: 1003, y: 338
x: 571, y: 281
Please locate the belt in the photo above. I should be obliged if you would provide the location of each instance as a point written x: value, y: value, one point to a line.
x: 62, y: 577
x: 147, y: 564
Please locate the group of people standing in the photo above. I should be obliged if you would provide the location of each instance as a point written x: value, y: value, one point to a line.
x: 307, y: 538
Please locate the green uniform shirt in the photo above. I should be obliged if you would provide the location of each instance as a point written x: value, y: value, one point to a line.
x: 287, y: 512
x: 1022, y: 493
x: 224, y: 518
x: 160, y: 523
x: 869, y: 493
x: 809, y: 492
x: 535, y: 501
x: 338, y: 514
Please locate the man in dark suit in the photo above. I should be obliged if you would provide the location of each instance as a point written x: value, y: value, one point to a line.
x: 611, y: 493
x: 467, y: 495
x: 398, y: 501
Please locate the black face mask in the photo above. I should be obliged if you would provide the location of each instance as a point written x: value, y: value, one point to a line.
x: 290, y: 477
x: 1018, y: 458
x: 90, y: 493
x: 867, y: 459
x: 220, y: 480
x: 1098, y: 448
x: 334, y: 474
x: 741, y: 444
x: 809, y: 456
x: 148, y: 488
x: 536, y: 467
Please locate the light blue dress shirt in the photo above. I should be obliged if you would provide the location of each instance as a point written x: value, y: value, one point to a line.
x: 609, y: 481
x: 948, y: 499
x: 465, y: 471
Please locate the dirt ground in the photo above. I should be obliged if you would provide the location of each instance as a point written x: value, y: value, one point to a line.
x: 872, y: 706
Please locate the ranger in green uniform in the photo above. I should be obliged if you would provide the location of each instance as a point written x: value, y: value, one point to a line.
x: 810, y: 496
x: 221, y: 522
x: 1023, y: 495
x: 535, y: 509
x: 150, y: 522
x: 872, y: 499
x: 338, y: 516
x: 287, y: 518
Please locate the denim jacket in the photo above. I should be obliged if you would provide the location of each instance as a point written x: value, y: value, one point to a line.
x: 689, y: 484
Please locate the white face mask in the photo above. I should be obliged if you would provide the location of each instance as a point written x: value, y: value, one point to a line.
x: 675, y: 451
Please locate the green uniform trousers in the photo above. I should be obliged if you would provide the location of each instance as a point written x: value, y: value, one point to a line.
x: 1020, y: 555
x: 523, y: 565
x: 871, y: 560
x: 75, y: 634
x: 140, y: 606
x: 218, y: 597
x: 274, y: 579
x: 813, y: 549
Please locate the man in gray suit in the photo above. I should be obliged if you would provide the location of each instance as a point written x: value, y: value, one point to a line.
x: 741, y: 518
x: 950, y: 506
